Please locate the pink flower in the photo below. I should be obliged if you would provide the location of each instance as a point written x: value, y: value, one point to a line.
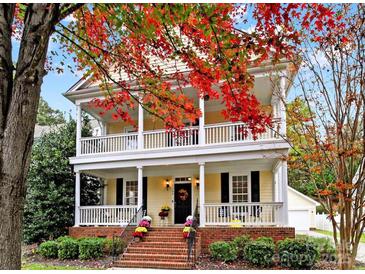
x: 144, y: 223
x: 188, y: 222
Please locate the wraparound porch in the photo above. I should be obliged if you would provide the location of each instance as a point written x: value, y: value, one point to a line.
x: 244, y: 193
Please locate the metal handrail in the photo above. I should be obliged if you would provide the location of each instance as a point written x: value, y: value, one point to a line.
x: 127, y: 234
x: 191, y: 242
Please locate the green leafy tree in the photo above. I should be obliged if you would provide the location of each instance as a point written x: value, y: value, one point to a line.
x: 49, y: 205
x: 46, y: 116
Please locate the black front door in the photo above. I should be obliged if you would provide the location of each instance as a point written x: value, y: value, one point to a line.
x: 182, y: 202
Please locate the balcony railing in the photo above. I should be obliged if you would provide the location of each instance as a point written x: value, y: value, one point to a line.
x: 158, y: 139
x: 243, y: 213
x: 231, y: 132
x: 162, y: 138
x: 106, y: 215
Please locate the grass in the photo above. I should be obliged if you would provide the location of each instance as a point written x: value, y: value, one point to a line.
x: 38, y: 266
x: 330, y: 233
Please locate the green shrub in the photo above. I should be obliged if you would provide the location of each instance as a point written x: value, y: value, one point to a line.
x: 91, y: 248
x: 268, y: 240
x: 48, y: 249
x: 68, y: 249
x: 119, y: 246
x: 240, y: 242
x: 260, y: 252
x: 63, y: 238
x: 325, y: 247
x: 223, y: 251
x: 298, y: 253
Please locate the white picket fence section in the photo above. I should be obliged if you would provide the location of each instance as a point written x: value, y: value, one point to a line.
x: 246, y: 213
x: 106, y: 215
x: 323, y: 223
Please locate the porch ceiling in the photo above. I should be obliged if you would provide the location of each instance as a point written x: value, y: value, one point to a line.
x: 187, y: 169
x: 262, y: 91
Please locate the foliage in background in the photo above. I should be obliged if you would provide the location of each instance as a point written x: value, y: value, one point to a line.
x: 297, y: 171
x: 327, y: 127
x: 49, y: 206
x: 46, y: 116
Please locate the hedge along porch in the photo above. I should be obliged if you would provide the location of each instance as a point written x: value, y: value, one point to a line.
x: 250, y: 192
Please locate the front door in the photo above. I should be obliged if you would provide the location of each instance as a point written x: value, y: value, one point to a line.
x: 182, y: 202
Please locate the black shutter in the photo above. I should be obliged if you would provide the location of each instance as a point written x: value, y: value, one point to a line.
x: 255, y: 186
x: 225, y: 187
x: 119, y: 191
x: 144, y: 187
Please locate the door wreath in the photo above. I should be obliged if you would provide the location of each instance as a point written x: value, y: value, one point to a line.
x: 183, y: 194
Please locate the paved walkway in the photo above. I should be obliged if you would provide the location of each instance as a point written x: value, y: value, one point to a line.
x: 360, y: 252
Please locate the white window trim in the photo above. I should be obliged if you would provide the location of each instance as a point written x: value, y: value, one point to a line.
x: 125, y: 188
x: 248, y: 174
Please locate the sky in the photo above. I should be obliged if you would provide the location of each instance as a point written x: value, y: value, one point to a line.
x: 55, y: 84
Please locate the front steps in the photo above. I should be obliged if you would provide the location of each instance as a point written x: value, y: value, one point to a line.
x: 163, y: 248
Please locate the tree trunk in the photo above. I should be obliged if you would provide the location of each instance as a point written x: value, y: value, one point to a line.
x: 18, y: 108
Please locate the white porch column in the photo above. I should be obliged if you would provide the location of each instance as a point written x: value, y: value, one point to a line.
x: 282, y: 109
x: 140, y: 187
x: 201, y: 122
x: 77, y: 198
x: 105, y: 192
x: 284, y: 191
x: 78, y: 129
x: 140, y: 126
x: 202, y: 194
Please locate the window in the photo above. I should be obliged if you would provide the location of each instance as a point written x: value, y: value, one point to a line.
x: 240, y: 189
x: 182, y: 179
x: 131, y: 192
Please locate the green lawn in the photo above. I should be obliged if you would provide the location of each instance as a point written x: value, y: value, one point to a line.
x: 330, y: 233
x: 38, y: 266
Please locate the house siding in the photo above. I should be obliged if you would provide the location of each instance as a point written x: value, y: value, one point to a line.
x: 158, y: 195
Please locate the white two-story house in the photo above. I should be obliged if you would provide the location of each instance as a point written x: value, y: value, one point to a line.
x: 228, y: 177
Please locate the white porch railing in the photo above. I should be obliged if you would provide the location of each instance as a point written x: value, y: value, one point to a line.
x: 247, y: 213
x: 231, y: 132
x: 162, y: 138
x: 106, y: 215
x: 158, y: 139
x: 110, y: 143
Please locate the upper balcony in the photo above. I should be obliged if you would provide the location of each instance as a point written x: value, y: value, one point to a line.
x: 117, y: 140
x: 220, y: 133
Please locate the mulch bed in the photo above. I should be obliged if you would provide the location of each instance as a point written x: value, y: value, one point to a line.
x: 204, y: 262
x: 29, y: 257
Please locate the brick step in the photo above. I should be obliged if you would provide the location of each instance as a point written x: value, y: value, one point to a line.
x: 164, y: 239
x: 160, y: 244
x: 152, y: 264
x: 166, y: 230
x: 157, y: 250
x: 154, y: 257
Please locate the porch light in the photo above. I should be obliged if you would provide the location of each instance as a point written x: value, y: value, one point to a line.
x: 167, y: 184
x: 197, y: 182
x: 189, y: 178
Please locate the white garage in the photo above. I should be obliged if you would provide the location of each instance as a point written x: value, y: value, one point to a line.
x: 302, y: 210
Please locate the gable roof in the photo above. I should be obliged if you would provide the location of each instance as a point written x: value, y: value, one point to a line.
x: 303, y: 196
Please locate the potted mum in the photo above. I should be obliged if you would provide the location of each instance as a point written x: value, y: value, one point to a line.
x: 164, y: 212
x: 139, y: 232
x: 187, y: 227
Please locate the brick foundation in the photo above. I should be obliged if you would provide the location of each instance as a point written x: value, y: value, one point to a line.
x: 93, y: 231
x: 209, y: 235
